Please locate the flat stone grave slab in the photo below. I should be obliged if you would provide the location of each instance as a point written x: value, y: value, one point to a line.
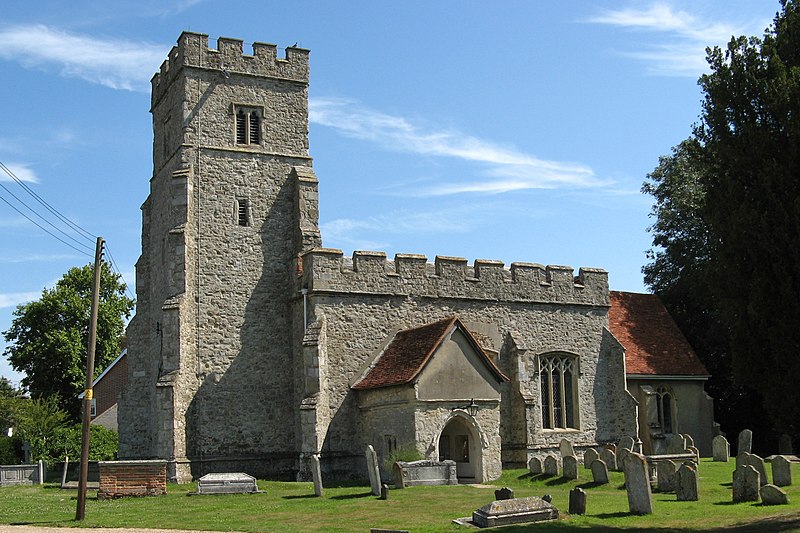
x: 513, y: 511
x: 227, y: 483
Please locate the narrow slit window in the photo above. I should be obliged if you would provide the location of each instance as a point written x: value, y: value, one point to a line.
x: 241, y: 128
x: 248, y: 125
x: 243, y: 212
x: 255, y: 131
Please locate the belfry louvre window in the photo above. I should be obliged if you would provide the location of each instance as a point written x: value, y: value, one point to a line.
x: 248, y: 126
x: 558, y: 375
x: 242, y: 212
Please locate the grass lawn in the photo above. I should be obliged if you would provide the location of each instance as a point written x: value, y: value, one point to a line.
x: 292, y: 507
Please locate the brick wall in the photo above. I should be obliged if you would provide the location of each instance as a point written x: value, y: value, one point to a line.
x: 132, y: 478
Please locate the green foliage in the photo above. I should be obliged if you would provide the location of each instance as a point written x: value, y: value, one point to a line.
x: 406, y: 452
x: 11, y: 450
x: 66, y: 442
x: 48, y: 338
x: 11, y: 403
x: 38, y: 424
x: 728, y: 226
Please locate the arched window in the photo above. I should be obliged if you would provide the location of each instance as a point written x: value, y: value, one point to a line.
x: 558, y: 380
x: 664, y: 399
x: 248, y: 125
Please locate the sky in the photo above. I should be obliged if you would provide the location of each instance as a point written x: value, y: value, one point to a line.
x: 513, y: 130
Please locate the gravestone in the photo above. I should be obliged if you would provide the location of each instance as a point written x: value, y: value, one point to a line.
x: 384, y: 492
x: 551, y: 465
x: 599, y: 472
x: 227, y: 483
x: 627, y: 443
x: 743, y: 459
x: 514, y: 511
x: 566, y: 449
x: 665, y: 475
x: 637, y: 484
x: 721, y: 449
x: 505, y: 493
x: 695, y: 451
x: 745, y: 484
x: 675, y: 444
x: 688, y: 438
x: 316, y: 474
x: 772, y: 495
x: 577, y: 501
x: 687, y: 484
x: 610, y: 446
x: 589, y: 456
x: 373, y: 471
x: 781, y: 471
x: 745, y: 442
x: 609, y: 458
x: 535, y: 465
x: 785, y: 445
x: 758, y: 463
x: 570, y: 467
x: 622, y: 453
x: 547, y: 498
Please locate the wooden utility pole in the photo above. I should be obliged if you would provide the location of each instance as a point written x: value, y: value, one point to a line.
x: 87, y: 395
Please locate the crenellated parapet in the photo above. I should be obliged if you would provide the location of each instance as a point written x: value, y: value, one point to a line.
x: 327, y: 270
x: 229, y: 58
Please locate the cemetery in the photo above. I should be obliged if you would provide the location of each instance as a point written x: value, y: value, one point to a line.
x: 745, y: 491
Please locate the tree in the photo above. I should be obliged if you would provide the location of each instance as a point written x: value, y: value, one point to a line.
x: 728, y: 222
x: 750, y: 127
x: 48, y: 338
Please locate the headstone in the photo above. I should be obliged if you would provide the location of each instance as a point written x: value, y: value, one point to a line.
x: 505, y: 493
x: 695, y: 451
x: 622, y: 453
x: 384, y: 492
x: 743, y: 459
x: 688, y: 438
x: 785, y: 445
x: 599, y: 472
x: 589, y: 456
x: 665, y: 475
x: 551, y: 465
x: 745, y: 442
x: 721, y: 450
x: 676, y: 444
x: 758, y: 463
x: 687, y: 485
x: 570, y: 467
x: 610, y: 446
x: 781, y: 471
x: 772, y: 495
x: 514, y: 511
x: 547, y: 498
x: 577, y: 501
x: 627, y: 443
x: 566, y: 449
x: 316, y: 474
x: 609, y: 458
x: 637, y: 484
x: 535, y: 465
x: 373, y: 471
x: 745, y: 484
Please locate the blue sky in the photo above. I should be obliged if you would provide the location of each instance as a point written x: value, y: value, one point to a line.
x: 512, y: 130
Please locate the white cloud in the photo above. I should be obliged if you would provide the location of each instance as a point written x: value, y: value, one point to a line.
x: 13, y: 299
x: 35, y: 258
x: 21, y: 171
x: 115, y: 63
x: 685, y: 36
x: 503, y: 168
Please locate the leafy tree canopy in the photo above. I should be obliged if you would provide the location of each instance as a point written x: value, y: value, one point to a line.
x: 728, y: 219
x: 48, y: 338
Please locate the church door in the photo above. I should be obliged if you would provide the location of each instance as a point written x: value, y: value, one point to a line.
x: 459, y: 443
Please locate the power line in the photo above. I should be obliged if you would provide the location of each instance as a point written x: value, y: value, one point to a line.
x: 50, y: 208
x: 118, y: 271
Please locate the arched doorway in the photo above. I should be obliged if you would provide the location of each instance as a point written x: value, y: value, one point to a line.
x: 460, y: 442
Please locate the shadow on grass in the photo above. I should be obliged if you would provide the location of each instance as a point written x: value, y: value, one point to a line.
x: 590, y: 485
x: 353, y: 496
x: 557, y: 481
x: 300, y: 497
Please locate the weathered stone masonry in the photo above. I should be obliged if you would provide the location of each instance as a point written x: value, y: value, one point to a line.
x: 248, y: 334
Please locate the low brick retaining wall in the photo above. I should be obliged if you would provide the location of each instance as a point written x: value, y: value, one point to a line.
x: 132, y: 478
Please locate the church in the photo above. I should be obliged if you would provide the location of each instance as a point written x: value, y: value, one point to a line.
x: 255, y: 348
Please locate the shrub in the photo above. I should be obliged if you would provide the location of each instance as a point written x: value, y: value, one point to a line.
x: 11, y: 450
x: 405, y: 452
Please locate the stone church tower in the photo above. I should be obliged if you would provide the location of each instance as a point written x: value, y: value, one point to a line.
x: 233, y: 201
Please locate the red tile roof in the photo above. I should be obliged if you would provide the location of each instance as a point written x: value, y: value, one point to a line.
x: 653, y: 343
x: 409, y: 352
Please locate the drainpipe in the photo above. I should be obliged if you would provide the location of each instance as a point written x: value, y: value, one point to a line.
x: 304, y: 292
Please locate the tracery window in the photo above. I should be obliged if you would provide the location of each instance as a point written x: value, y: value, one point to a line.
x: 558, y: 379
x: 248, y: 125
x: 664, y: 399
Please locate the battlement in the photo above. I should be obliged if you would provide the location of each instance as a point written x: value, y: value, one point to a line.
x: 193, y: 51
x: 327, y: 270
